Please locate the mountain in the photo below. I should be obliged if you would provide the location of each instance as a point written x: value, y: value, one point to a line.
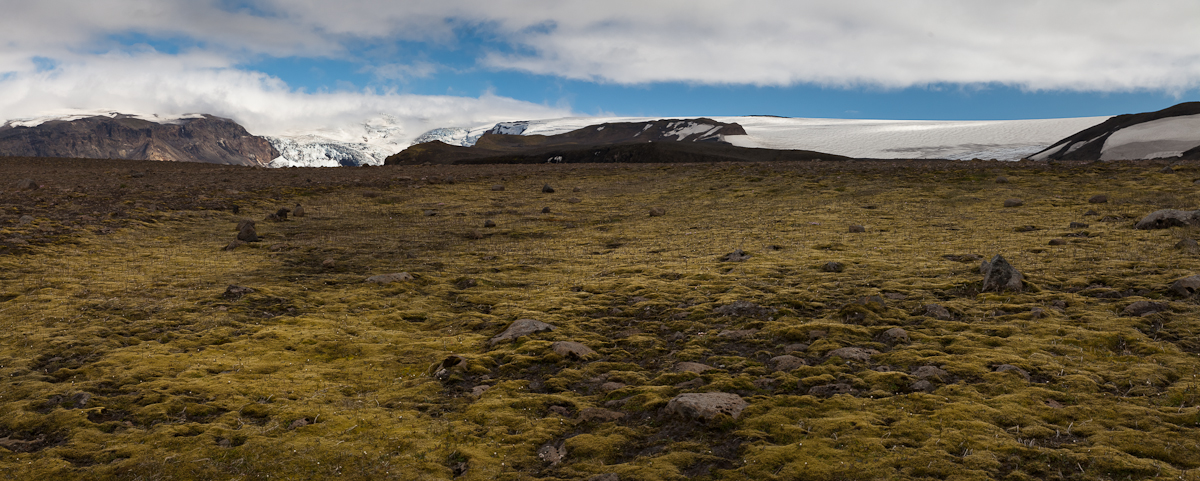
x: 1172, y: 133
x: 190, y: 138
x: 874, y: 139
x: 665, y: 141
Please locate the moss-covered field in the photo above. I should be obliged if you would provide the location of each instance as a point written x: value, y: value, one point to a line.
x: 123, y: 357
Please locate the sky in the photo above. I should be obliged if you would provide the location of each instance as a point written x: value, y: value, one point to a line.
x: 280, y: 66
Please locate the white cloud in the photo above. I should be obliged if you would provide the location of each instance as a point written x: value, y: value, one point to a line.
x: 155, y: 83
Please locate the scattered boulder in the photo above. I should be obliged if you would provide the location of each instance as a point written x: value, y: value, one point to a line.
x: 797, y: 347
x: 599, y: 415
x: 546, y: 210
x: 1058, y: 242
x: 1098, y: 199
x: 786, y: 363
x: 27, y: 184
x: 25, y: 219
x: 833, y: 267
x: 489, y: 223
x: 298, y: 211
x: 328, y: 263
x: 576, y: 189
x: 737, y: 334
x: 519, y: 328
x: 1002, y: 180
x: 1014, y: 203
x: 874, y: 303
x: 234, y: 293
x: 1091, y: 212
x: 1187, y: 244
x: 707, y: 406
x: 736, y: 256
x: 246, y: 232
x: 922, y: 385
x: 1141, y: 308
x: 279, y: 215
x: 234, y: 244
x: 611, y: 386
x: 498, y: 188
x: 573, y: 350
x: 695, y: 367
x: 937, y: 311
x: 429, y: 213
x: 1025, y: 228
x: 852, y: 354
x: 1167, y: 218
x: 299, y: 423
x: 855, y: 229
x: 657, y: 212
x: 477, y: 391
x: 1009, y: 367
x: 1167, y: 170
x: 390, y: 278
x: 1002, y: 276
x: 893, y: 336
x: 552, y: 454
x: 931, y: 372
x: 1077, y: 225
x: 574, y: 200
x: 451, y: 364
x: 1186, y: 287
x: 546, y: 189
x: 744, y: 309
x: 830, y: 390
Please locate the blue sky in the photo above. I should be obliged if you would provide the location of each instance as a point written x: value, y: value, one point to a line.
x: 279, y: 65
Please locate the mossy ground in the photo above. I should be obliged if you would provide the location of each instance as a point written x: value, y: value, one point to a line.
x: 123, y: 360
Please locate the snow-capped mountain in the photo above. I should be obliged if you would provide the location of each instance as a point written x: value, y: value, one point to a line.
x: 878, y: 139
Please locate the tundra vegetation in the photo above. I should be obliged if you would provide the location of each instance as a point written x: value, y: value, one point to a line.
x: 136, y: 346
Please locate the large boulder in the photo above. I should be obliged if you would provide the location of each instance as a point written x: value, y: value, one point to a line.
x: 1001, y: 276
x: 519, y: 328
x: 246, y: 231
x: 706, y: 405
x: 1186, y: 287
x: 1167, y: 218
x: 573, y: 350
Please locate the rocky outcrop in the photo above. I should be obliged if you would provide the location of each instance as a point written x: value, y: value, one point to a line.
x: 706, y: 405
x: 1000, y: 276
x: 1173, y: 132
x: 205, y: 138
x: 1167, y: 218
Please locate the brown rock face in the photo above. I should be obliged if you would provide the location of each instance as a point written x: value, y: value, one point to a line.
x: 207, y: 139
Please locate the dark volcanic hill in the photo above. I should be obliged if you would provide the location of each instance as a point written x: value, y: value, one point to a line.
x: 662, y: 141
x: 1173, y: 132
x: 208, y: 139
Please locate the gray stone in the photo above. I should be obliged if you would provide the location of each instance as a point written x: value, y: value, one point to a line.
x: 936, y: 311
x: 1167, y: 218
x: 737, y: 334
x: 1186, y: 287
x: 298, y: 211
x: 736, y: 256
x: 786, y: 363
x: 797, y: 347
x: 234, y: 293
x: 922, y: 385
x: 1002, y: 276
x: 1077, y: 225
x: 477, y: 391
x: 611, y: 386
x: 1014, y: 203
x: 573, y: 350
x: 390, y: 278
x: 931, y: 372
x: 234, y: 244
x: 546, y: 189
x: 25, y: 219
x: 1188, y: 244
x: 695, y: 367
x: 855, y: 229
x: 1058, y: 242
x: 552, y: 454
x: 833, y: 267
x: 707, y: 405
x: 489, y: 223
x: 27, y: 184
x: 1098, y: 199
x: 853, y: 354
x: 246, y: 232
x: 521, y: 327
x: 657, y: 212
x: 498, y: 188
x: 893, y: 336
x: 1009, y: 367
x: 1141, y: 308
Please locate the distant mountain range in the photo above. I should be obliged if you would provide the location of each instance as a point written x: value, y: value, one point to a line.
x: 1169, y: 133
x: 194, y: 138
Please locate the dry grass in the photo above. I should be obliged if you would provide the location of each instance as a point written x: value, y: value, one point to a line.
x: 123, y: 360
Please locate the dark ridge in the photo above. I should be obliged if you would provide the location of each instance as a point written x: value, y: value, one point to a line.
x: 1096, y: 135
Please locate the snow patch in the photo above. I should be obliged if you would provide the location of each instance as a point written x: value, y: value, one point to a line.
x: 1169, y: 137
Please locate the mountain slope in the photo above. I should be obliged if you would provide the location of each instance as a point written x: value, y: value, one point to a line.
x: 198, y: 138
x: 1173, y: 132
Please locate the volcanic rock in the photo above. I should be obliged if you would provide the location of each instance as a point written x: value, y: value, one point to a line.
x: 573, y: 350
x: 27, y: 184
x: 599, y: 415
x: 736, y: 256
x: 390, y: 278
x: 830, y: 390
x: 695, y: 367
x: 1009, y: 367
x: 1001, y: 276
x: 786, y: 363
x: 1186, y: 287
x: 893, y: 336
x: 521, y: 327
x: 707, y: 406
x: 853, y: 354
x: 246, y: 232
x: 1014, y: 203
x: 1141, y: 308
x: 833, y: 267
x: 854, y: 229
x: 657, y: 212
x: 1166, y: 218
x: 1098, y: 199
x: 546, y: 189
